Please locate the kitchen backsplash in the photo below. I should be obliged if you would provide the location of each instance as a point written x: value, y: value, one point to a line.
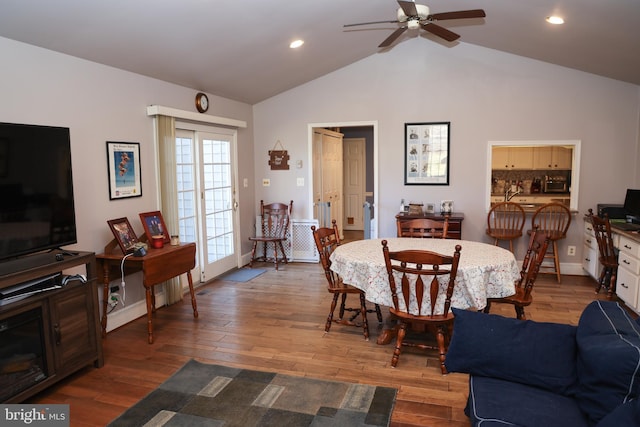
x: 501, y: 179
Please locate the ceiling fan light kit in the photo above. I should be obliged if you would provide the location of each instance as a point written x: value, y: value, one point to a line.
x: 414, y: 16
x: 422, y: 12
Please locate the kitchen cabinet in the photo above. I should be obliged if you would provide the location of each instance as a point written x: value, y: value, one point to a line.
x: 590, y: 262
x: 509, y: 158
x: 552, y: 157
x: 628, y: 272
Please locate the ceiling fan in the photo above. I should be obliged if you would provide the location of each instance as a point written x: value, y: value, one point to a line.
x: 414, y: 16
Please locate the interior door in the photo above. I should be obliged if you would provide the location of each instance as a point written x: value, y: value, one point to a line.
x: 354, y: 173
x: 327, y: 154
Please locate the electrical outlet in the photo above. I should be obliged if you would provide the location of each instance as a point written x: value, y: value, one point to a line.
x: 571, y: 250
x: 113, y: 299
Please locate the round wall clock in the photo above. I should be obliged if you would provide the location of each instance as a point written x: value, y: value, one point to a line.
x: 202, y: 102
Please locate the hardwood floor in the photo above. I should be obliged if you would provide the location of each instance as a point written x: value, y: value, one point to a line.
x: 276, y: 323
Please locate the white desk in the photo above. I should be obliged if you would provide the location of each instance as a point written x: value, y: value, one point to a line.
x: 485, y: 271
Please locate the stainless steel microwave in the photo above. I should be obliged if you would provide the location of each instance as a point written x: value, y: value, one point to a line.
x: 555, y: 184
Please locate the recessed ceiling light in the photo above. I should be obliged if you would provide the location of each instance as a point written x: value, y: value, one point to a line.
x: 296, y: 43
x: 556, y: 20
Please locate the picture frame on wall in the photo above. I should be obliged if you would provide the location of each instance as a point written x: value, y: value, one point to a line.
x: 426, y: 153
x: 154, y: 226
x: 124, y: 234
x: 123, y: 164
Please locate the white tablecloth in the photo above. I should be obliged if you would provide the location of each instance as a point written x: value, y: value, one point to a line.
x: 485, y: 271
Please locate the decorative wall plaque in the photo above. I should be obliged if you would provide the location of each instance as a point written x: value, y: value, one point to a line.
x: 278, y: 159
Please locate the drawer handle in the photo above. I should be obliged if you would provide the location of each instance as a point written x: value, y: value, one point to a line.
x: 624, y: 286
x: 626, y: 262
x: 627, y: 246
x: 587, y: 259
x: 588, y: 240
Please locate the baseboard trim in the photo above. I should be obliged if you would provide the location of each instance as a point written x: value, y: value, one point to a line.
x: 131, y: 312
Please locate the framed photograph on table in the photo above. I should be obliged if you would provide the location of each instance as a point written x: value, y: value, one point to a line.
x: 426, y: 153
x: 153, y: 224
x: 123, y: 163
x: 124, y: 234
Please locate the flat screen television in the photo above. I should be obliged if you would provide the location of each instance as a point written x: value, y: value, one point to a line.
x: 36, y: 205
x: 632, y: 204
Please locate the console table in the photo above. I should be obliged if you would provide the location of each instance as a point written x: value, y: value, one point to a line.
x: 455, y: 221
x: 158, y: 266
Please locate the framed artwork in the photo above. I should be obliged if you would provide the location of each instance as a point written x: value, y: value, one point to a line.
x: 430, y: 208
x: 153, y: 224
x: 124, y: 234
x: 123, y: 163
x: 426, y: 153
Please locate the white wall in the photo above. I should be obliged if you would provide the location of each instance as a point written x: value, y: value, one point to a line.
x: 486, y: 95
x: 100, y: 104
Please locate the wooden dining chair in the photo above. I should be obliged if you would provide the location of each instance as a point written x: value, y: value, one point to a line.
x: 416, y: 299
x: 274, y: 230
x: 538, y: 244
x: 505, y: 221
x: 327, y: 239
x: 554, y: 220
x: 424, y: 228
x: 606, y: 253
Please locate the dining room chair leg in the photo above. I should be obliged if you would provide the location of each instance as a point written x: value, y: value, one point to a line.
x: 275, y: 255
x: 379, y: 314
x: 334, y: 302
x: 440, y: 337
x: 284, y: 256
x: 363, y: 311
x: 342, y: 306
x: 520, y: 312
x: 402, y: 331
x: 253, y: 254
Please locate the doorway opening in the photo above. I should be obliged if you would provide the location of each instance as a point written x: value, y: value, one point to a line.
x: 344, y: 179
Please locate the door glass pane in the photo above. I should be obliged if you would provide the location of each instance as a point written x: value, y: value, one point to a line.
x: 217, y: 198
x: 185, y: 171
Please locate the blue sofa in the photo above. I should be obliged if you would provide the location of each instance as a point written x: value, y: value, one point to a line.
x: 526, y: 373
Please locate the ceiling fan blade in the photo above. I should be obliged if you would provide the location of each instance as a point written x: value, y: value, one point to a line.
x: 408, y: 7
x: 369, y: 23
x: 461, y: 14
x: 441, y: 32
x: 397, y: 33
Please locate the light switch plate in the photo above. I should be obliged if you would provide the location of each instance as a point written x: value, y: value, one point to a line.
x: 300, y: 182
x: 266, y: 182
x: 245, y: 182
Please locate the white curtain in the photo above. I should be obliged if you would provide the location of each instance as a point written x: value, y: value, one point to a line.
x: 166, y: 137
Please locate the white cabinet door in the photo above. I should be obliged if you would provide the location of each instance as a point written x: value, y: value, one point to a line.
x: 627, y: 288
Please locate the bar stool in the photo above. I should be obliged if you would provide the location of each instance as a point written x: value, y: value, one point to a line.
x: 505, y: 221
x: 554, y: 220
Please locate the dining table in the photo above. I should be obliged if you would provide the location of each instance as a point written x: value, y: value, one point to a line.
x: 484, y: 271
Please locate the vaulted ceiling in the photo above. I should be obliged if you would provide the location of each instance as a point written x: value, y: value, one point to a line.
x: 239, y: 49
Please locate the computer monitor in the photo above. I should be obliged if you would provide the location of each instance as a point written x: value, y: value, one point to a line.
x: 632, y: 205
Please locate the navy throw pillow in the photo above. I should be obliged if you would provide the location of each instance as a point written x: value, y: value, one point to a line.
x: 533, y: 353
x: 608, y: 359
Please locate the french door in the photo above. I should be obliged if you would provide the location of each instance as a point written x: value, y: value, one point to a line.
x: 207, y: 208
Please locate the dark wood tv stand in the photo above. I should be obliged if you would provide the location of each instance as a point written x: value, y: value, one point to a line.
x: 70, y: 326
